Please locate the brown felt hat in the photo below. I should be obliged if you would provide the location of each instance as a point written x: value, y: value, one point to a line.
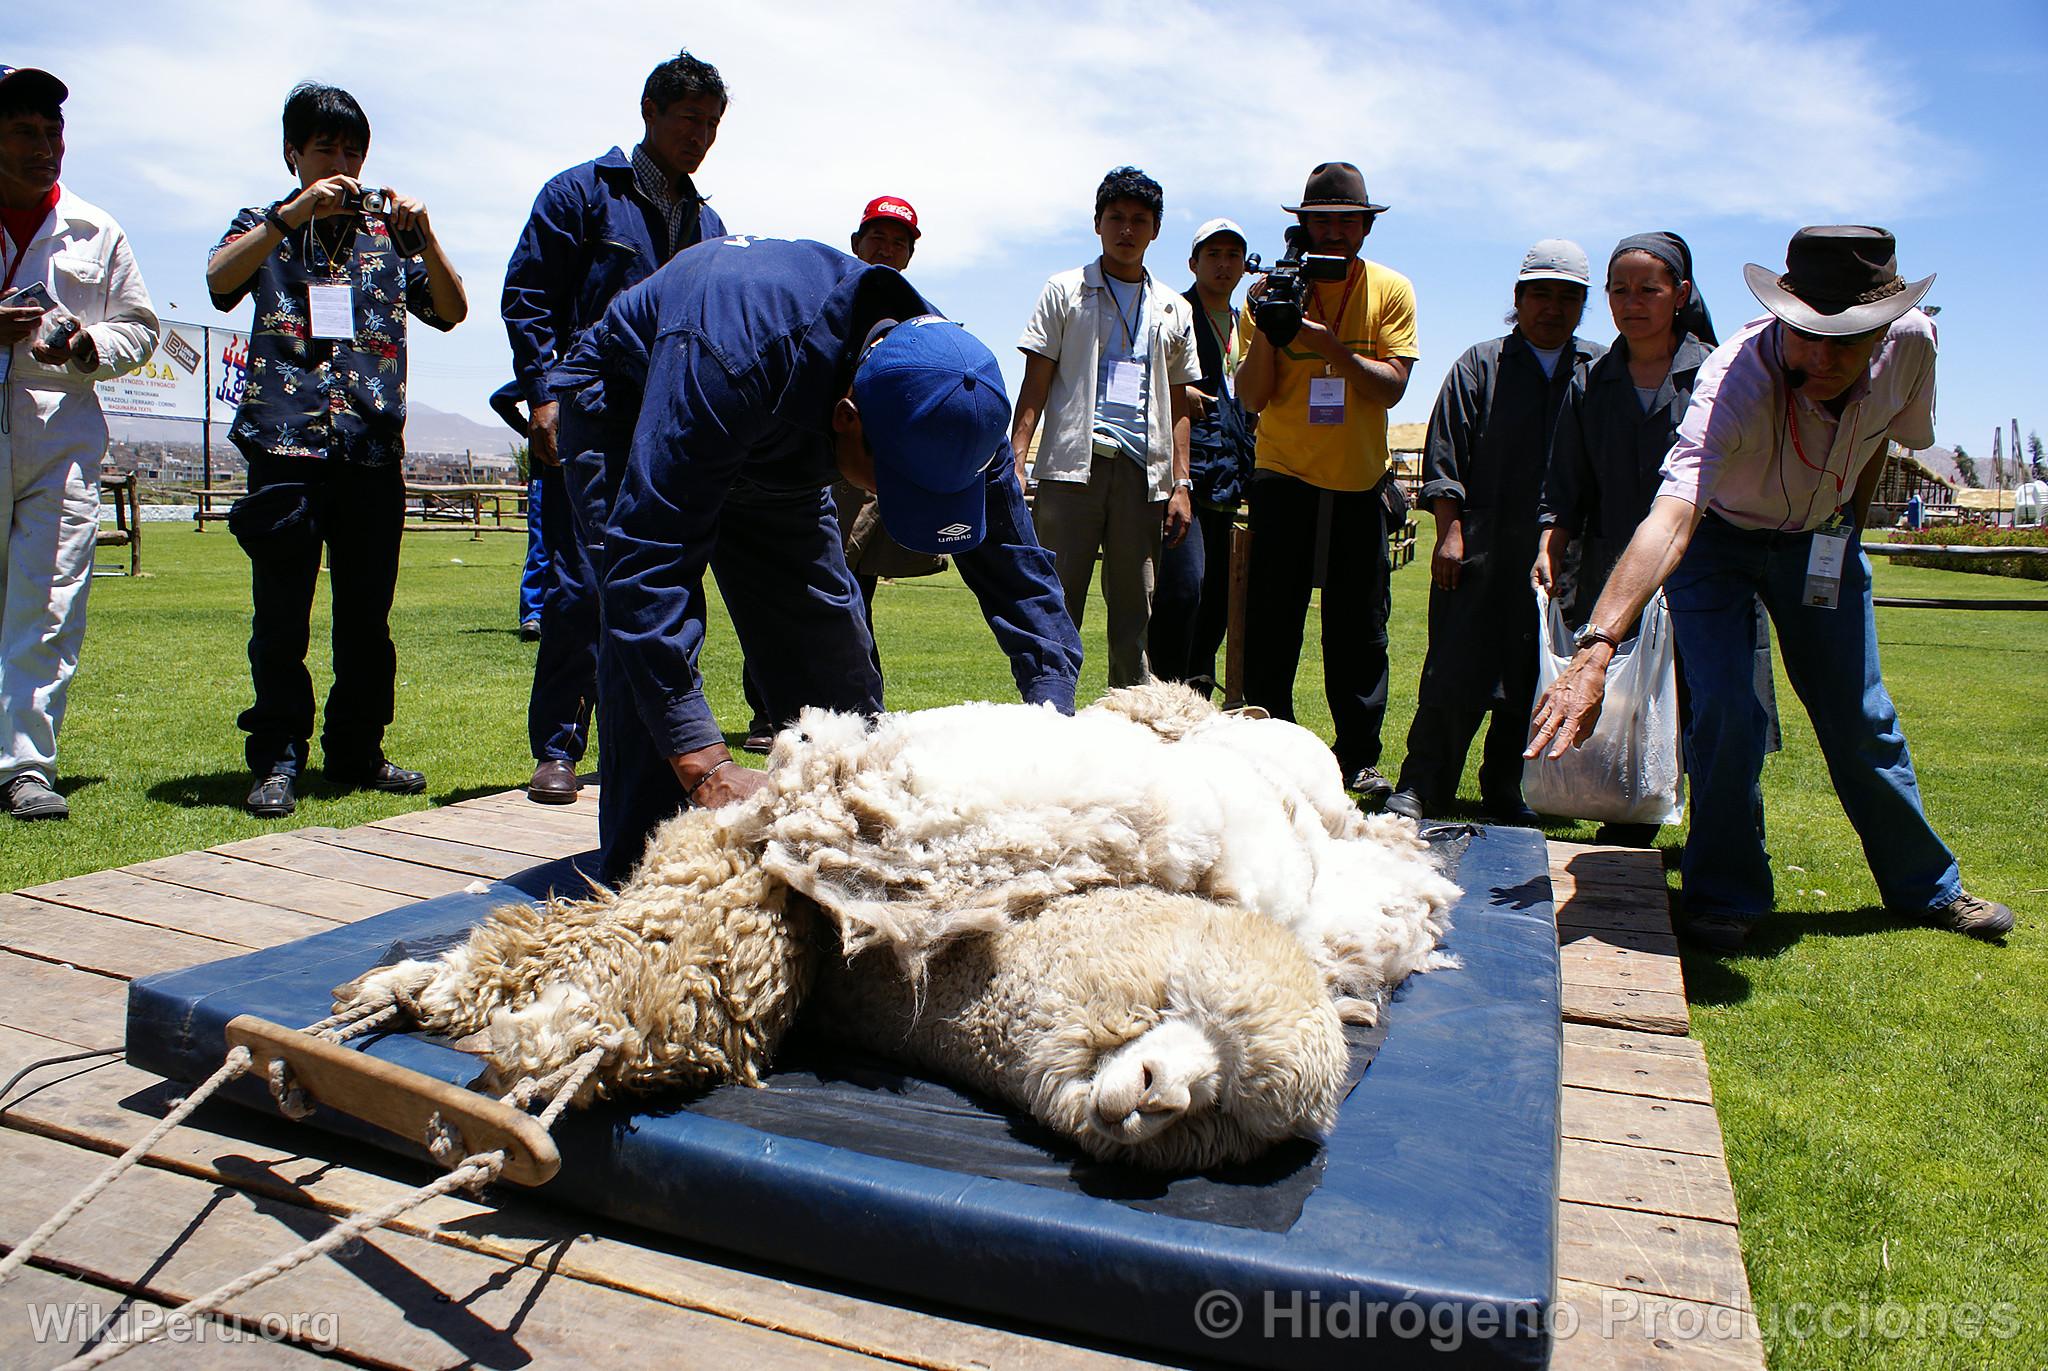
x: 1335, y: 188
x: 1839, y: 280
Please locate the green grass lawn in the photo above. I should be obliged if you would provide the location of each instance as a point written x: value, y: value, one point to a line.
x: 1881, y: 1085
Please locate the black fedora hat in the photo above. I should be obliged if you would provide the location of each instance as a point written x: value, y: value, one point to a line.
x: 1335, y: 188
x: 1839, y: 280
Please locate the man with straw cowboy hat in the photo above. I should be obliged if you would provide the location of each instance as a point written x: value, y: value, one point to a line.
x: 1764, y: 493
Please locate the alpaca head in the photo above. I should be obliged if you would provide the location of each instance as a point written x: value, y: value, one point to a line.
x: 1200, y: 1034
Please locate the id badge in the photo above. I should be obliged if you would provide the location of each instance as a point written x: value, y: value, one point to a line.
x: 1824, y: 566
x: 1123, y: 383
x: 1326, y: 400
x: 333, y: 309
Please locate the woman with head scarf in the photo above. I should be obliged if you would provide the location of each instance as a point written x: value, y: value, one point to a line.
x: 1612, y: 438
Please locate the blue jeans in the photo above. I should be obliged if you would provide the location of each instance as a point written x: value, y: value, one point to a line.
x: 1831, y: 658
x: 533, y: 576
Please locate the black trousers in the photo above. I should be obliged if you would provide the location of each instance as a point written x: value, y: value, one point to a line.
x: 1298, y: 528
x: 357, y: 514
x: 1191, y: 600
x: 1441, y: 734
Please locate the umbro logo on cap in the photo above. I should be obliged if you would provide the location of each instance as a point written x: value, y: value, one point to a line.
x: 951, y: 532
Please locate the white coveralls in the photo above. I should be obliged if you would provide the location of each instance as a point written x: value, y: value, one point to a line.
x: 52, y: 436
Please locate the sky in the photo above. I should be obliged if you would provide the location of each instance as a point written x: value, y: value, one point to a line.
x: 1484, y: 126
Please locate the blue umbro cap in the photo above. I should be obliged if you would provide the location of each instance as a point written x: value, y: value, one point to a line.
x: 932, y: 402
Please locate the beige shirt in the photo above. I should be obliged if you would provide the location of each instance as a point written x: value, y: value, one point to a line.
x: 1064, y: 329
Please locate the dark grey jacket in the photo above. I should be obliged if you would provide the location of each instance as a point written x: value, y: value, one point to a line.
x: 1606, y: 455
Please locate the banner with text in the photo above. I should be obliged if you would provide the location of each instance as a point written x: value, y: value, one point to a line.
x: 173, y: 383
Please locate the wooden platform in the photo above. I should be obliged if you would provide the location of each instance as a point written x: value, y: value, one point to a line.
x: 1648, y: 1249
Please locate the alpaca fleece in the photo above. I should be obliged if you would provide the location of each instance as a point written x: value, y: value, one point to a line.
x: 1143, y: 924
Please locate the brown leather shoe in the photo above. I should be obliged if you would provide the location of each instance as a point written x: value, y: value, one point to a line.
x: 554, y: 783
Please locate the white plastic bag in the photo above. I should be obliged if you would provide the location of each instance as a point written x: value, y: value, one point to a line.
x: 1628, y: 771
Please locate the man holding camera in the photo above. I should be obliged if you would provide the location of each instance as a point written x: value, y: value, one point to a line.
x: 73, y: 311
x: 334, y: 268
x: 1319, y: 495
x: 595, y: 230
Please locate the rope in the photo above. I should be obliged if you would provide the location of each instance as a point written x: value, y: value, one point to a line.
x: 236, y: 1063
x: 477, y: 1170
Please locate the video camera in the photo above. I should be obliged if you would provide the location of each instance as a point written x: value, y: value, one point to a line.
x: 371, y: 200
x: 1278, y: 310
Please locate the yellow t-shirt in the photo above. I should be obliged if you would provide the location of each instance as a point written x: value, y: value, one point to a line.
x: 1378, y: 322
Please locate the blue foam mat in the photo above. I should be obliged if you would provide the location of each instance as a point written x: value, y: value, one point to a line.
x: 1432, y: 1230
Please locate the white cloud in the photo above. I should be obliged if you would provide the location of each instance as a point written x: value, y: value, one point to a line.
x: 996, y: 120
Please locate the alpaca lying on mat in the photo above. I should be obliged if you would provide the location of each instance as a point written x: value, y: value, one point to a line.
x: 1143, y: 924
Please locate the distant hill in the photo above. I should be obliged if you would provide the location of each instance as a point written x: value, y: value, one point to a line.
x: 426, y: 430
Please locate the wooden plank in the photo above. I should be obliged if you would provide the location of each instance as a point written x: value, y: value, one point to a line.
x: 125, y: 895
x: 52, y: 1001
x: 408, y: 1302
x: 1590, y: 960
x: 1662, y: 1254
x: 94, y: 942
x: 1643, y: 940
x: 46, y: 1318
x: 522, y: 814
x: 484, y: 831
x: 487, y: 863
x: 1628, y: 1330
x: 1629, y: 1072
x: 290, y: 852
x: 95, y: 1106
x: 336, y: 901
x: 1628, y: 1177
x: 1591, y: 1035
x: 1651, y: 1011
x: 1635, y: 1121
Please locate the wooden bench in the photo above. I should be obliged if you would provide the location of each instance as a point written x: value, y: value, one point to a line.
x: 127, y: 530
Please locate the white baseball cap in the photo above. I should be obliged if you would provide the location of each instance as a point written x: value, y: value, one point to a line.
x: 1211, y: 229
x: 1556, y: 259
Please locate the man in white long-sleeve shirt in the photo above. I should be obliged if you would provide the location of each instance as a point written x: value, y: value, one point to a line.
x: 73, y: 311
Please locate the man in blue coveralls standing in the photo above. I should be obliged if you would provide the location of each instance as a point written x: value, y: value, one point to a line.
x: 767, y: 369
x: 595, y: 229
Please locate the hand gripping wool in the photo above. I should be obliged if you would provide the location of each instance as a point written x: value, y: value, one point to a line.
x: 1143, y: 924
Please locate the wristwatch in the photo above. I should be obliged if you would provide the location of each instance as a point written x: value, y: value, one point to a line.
x: 1183, y: 483
x: 1592, y: 634
x: 273, y: 217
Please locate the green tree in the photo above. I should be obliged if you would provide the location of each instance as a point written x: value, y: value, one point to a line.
x: 1966, y: 466
x: 2034, y: 451
x: 521, y: 460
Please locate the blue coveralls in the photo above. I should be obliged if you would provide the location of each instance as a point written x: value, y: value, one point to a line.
x: 590, y: 236
x: 741, y: 347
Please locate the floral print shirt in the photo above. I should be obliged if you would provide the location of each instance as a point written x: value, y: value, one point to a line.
x: 341, y: 398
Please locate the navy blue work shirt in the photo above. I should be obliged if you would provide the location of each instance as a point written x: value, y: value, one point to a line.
x: 335, y: 398
x: 744, y: 345
x: 591, y: 235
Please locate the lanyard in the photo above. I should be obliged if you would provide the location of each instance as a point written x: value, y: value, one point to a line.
x: 1344, y: 303
x: 1224, y: 334
x: 1792, y: 423
x: 1136, y: 320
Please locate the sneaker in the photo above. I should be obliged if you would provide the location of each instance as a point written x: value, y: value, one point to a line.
x: 271, y: 797
x: 1717, y: 932
x: 29, y: 797
x: 1406, y: 803
x: 385, y: 776
x: 1966, y: 913
x: 1373, y: 788
x: 758, y: 741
